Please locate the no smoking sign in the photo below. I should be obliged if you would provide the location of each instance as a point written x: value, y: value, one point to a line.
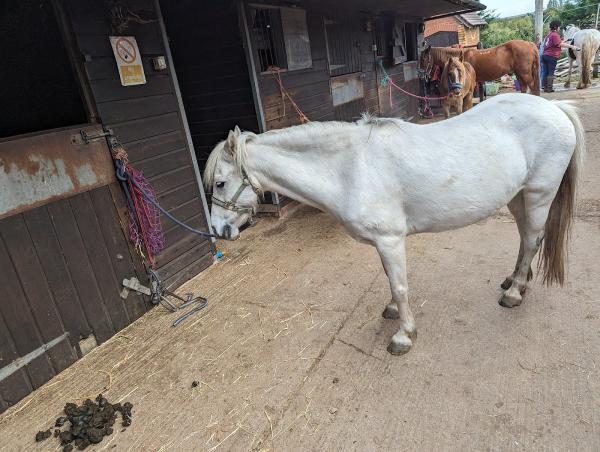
x: 129, y: 63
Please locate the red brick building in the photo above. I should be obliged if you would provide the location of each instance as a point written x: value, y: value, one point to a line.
x: 460, y: 29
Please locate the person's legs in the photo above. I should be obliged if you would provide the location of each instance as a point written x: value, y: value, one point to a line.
x: 545, y: 71
x: 550, y: 67
x: 542, y: 71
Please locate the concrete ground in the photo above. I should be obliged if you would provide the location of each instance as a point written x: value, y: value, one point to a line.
x: 291, y: 352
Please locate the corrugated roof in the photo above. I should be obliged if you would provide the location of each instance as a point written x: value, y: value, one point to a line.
x: 472, y: 19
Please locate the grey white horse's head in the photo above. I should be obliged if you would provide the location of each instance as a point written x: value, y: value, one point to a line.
x: 234, y: 193
x: 570, y: 31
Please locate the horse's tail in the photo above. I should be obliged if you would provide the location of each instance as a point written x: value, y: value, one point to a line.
x: 587, y: 58
x: 535, y: 72
x: 553, y: 256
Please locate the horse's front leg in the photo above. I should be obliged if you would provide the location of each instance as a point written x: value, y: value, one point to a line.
x: 459, y: 105
x: 393, y: 257
x: 446, y: 108
x: 468, y: 101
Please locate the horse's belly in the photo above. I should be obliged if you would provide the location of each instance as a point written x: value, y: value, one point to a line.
x: 460, y: 203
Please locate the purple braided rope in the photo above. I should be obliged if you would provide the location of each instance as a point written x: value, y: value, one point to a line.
x: 149, y: 215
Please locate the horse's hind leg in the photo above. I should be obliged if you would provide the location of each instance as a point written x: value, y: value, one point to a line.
x: 393, y: 257
x: 536, y: 207
x: 568, y: 82
x: 525, y: 82
x: 517, y: 209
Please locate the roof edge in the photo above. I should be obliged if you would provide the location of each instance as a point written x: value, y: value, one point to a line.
x: 468, y: 6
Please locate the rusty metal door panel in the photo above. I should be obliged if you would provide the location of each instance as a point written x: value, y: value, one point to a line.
x: 347, y: 88
x: 41, y: 168
x: 347, y: 92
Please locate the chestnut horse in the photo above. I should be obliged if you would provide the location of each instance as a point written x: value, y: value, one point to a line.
x: 458, y: 83
x: 513, y: 57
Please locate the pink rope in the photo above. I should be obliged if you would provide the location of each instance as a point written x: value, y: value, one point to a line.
x: 391, y: 82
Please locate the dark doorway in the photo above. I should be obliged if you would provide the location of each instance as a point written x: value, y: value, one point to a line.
x: 443, y: 39
x: 210, y: 62
x: 39, y: 90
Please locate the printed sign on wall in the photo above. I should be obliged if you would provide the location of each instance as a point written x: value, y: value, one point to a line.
x: 129, y: 61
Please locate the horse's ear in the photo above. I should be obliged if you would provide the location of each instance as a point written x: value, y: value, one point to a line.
x: 232, y: 139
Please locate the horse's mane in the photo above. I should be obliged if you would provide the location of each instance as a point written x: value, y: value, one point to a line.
x: 443, y: 53
x: 286, y: 137
x: 372, y: 120
x: 240, y: 160
x: 282, y: 137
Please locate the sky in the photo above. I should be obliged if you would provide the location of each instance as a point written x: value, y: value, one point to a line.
x: 507, y: 8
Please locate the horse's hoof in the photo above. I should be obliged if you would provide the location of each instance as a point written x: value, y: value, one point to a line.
x: 400, y: 344
x: 510, y: 301
x: 567, y: 84
x: 391, y: 312
x: 506, y: 283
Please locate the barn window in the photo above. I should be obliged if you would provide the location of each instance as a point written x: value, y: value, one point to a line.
x: 39, y: 90
x: 411, y: 31
x: 399, y: 53
x: 343, y: 40
x: 281, y: 39
x: 396, y: 41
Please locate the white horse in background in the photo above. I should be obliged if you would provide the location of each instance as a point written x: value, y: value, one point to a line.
x: 588, y: 41
x: 384, y: 179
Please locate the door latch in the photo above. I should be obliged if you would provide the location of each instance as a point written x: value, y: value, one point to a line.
x: 86, y: 138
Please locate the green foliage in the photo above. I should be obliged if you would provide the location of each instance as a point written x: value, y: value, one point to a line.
x: 581, y: 13
x: 498, y: 31
x: 554, y: 4
x: 578, y: 12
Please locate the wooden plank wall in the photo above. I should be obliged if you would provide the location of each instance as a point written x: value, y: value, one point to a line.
x: 146, y: 120
x: 209, y: 57
x: 310, y: 88
x: 62, y: 265
x: 402, y: 105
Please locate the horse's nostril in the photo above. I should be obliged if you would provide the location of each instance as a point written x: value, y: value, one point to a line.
x: 227, y: 232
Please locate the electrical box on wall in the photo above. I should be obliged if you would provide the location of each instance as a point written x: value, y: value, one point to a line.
x: 159, y: 63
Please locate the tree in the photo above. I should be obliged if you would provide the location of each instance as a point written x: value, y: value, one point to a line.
x: 489, y: 15
x: 577, y: 12
x: 498, y: 31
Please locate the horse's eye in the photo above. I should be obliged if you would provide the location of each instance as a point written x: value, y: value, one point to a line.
x: 220, y: 184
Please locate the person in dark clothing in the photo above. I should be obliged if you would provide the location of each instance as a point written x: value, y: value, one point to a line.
x: 553, y: 45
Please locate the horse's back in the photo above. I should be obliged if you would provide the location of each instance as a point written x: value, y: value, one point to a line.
x: 484, y: 157
x: 590, y: 35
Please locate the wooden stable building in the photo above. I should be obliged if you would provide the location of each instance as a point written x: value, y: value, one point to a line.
x: 207, y: 66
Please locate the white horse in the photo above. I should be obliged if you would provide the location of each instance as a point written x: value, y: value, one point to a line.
x: 588, y: 41
x: 384, y: 179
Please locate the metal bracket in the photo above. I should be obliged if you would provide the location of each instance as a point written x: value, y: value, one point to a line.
x: 134, y: 284
x: 87, y: 138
